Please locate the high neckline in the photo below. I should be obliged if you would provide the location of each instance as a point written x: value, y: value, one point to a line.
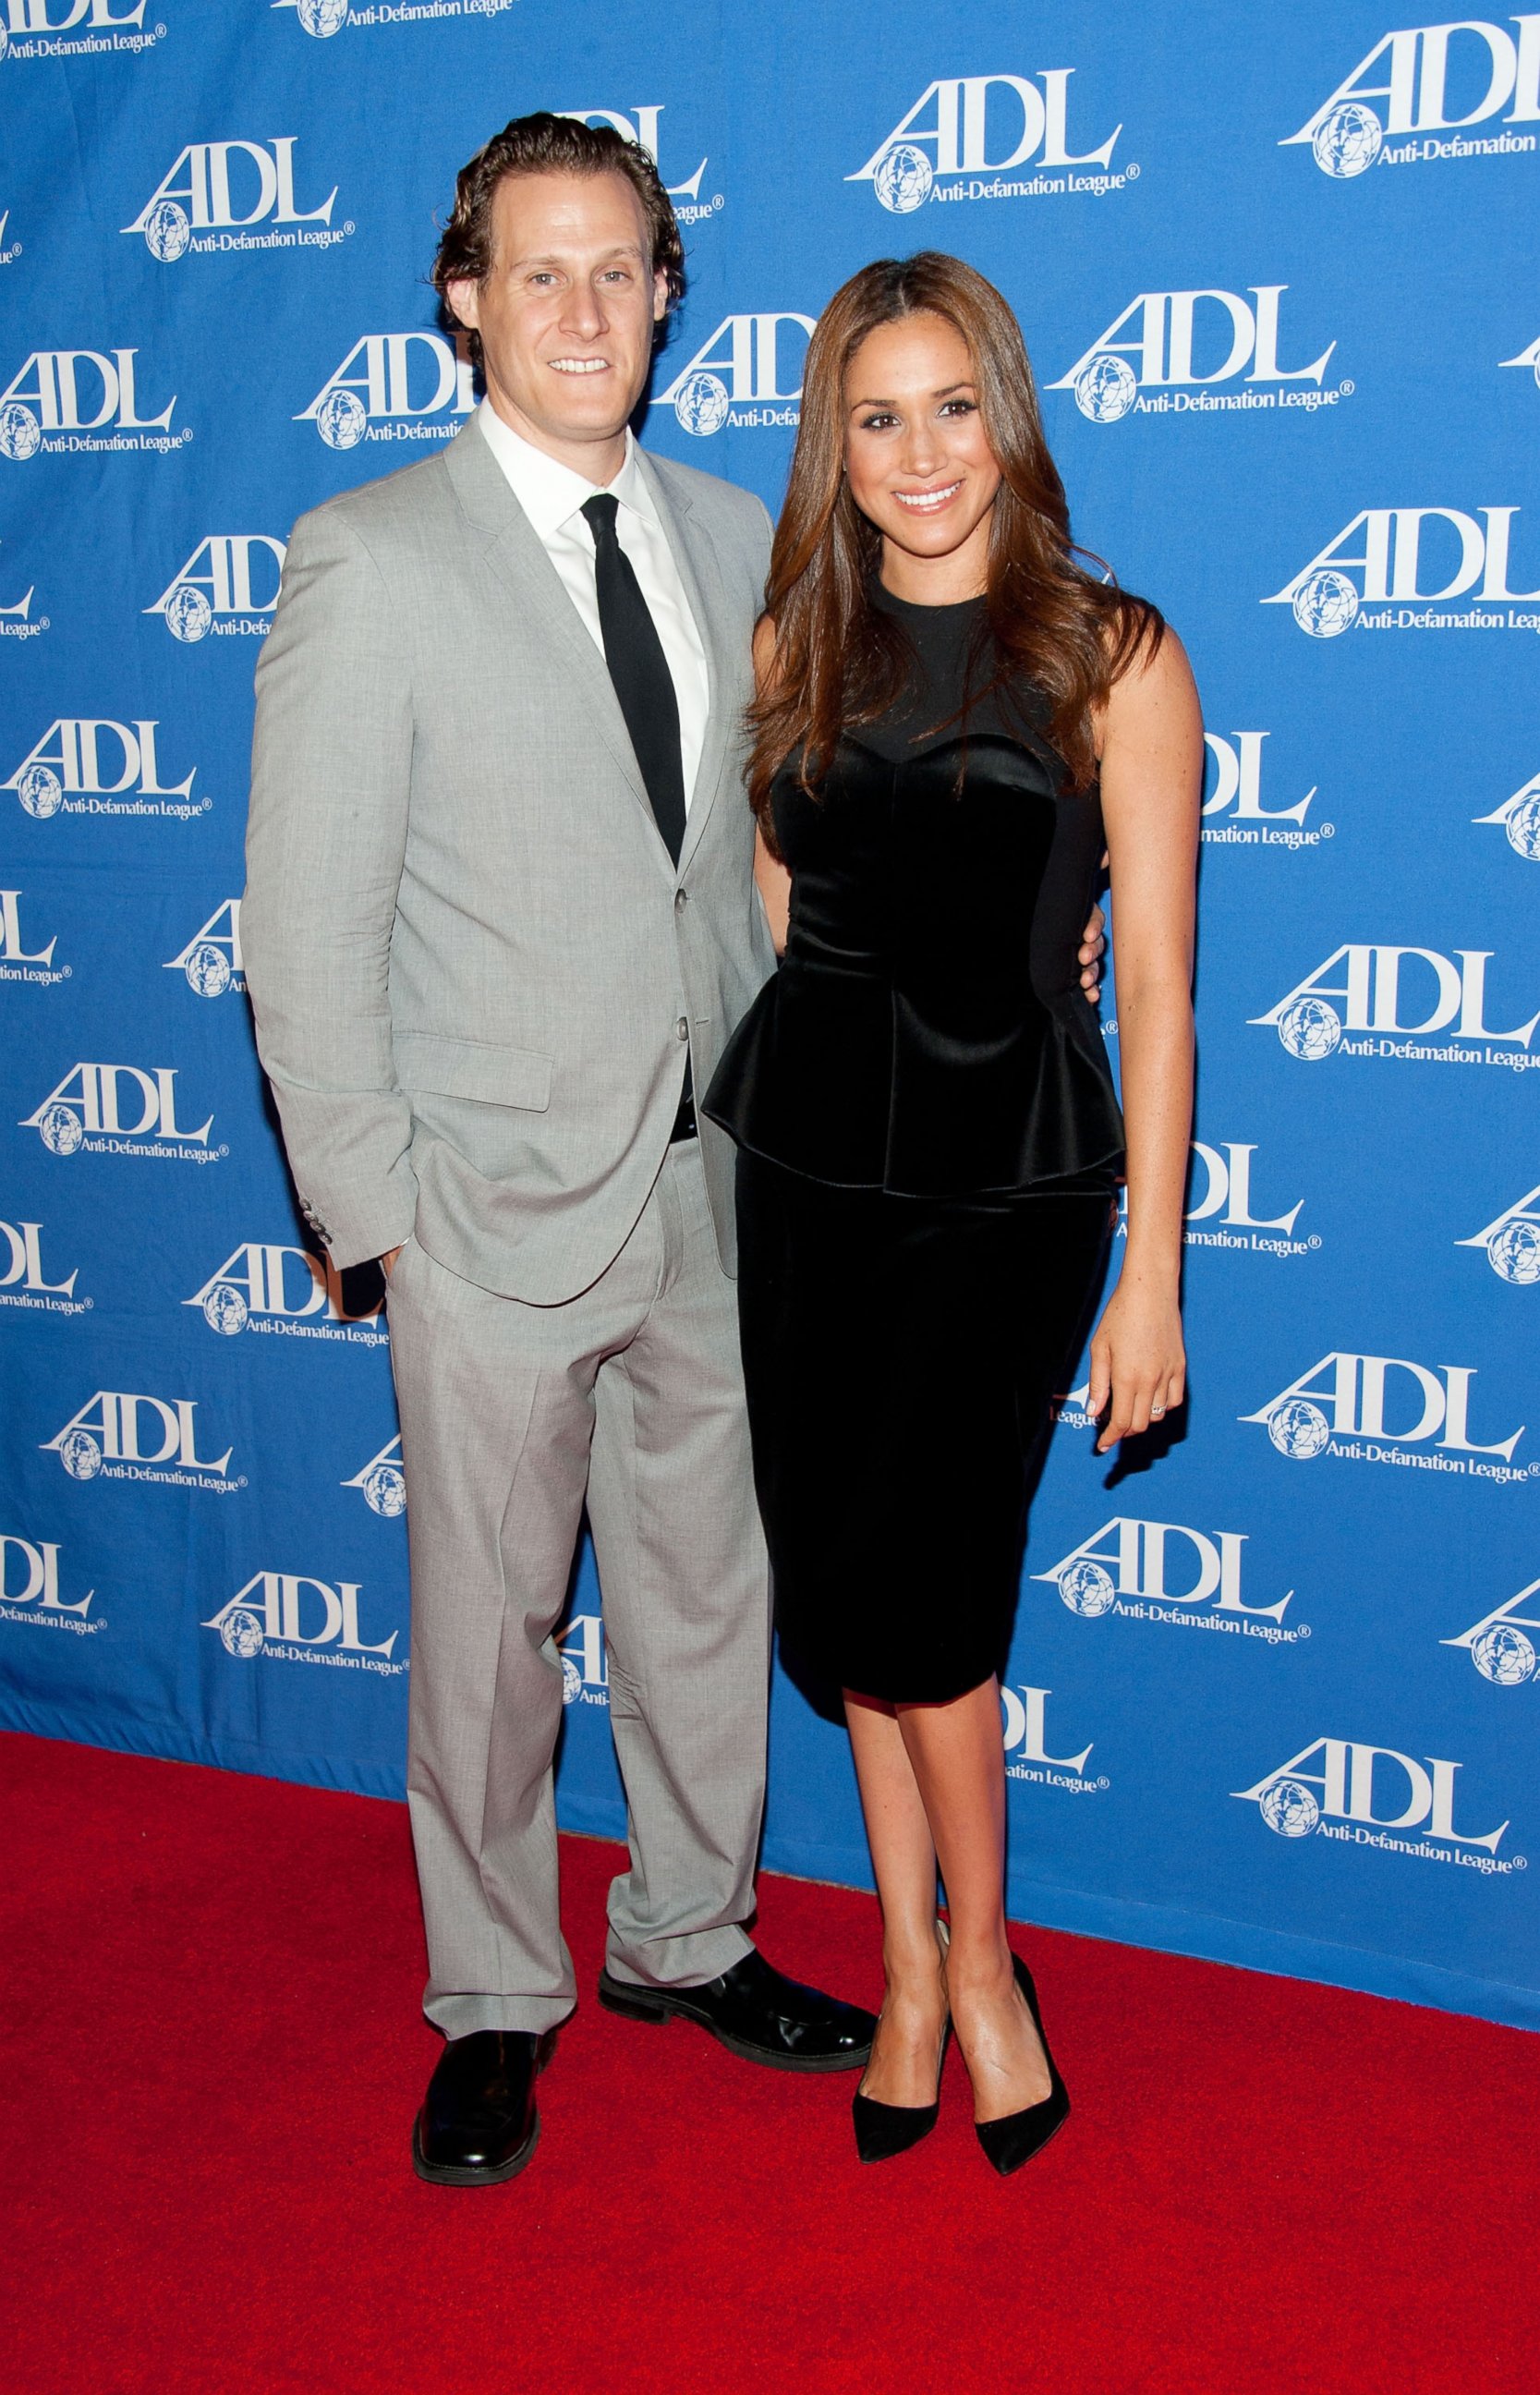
x: 886, y: 598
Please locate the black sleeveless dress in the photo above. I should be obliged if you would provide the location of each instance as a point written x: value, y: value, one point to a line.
x: 930, y: 1146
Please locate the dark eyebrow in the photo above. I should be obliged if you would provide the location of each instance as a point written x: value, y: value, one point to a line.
x: 621, y: 249
x: 951, y: 389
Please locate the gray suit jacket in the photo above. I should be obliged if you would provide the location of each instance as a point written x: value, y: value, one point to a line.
x: 471, y: 959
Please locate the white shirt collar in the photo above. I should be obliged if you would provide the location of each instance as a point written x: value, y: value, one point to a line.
x: 550, y: 493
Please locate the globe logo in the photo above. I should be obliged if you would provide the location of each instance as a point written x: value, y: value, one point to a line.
x: 207, y: 969
x: 1309, y: 1029
x: 1298, y: 1430
x: 81, y: 1456
x: 904, y: 179
x: 1513, y: 1251
x: 5, y: 41
x: 1289, y: 1810
x: 1326, y: 604
x: 571, y: 1681
x: 226, y: 1310
x: 384, y: 1491
x: 243, y: 1634
x: 60, y: 1129
x: 41, y: 791
x: 701, y: 402
x: 19, y: 437
x: 1086, y: 1589
x: 341, y: 419
x: 1106, y: 388
x: 323, y: 18
x: 188, y: 613
x: 1523, y: 828
x: 1504, y: 1655
x: 166, y: 231
x: 1348, y: 139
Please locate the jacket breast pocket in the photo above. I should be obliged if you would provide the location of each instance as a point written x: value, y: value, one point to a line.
x: 472, y: 1068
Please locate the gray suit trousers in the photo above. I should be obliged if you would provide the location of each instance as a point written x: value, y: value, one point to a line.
x: 630, y: 1395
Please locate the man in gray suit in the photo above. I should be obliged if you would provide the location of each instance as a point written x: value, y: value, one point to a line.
x: 499, y: 920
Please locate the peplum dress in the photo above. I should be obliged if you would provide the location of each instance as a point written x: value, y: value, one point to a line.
x: 930, y: 1146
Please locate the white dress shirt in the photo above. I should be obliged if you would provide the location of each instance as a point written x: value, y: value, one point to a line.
x: 552, y: 497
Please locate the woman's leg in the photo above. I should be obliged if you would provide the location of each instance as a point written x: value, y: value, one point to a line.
x: 958, y: 1762
x: 902, y: 2069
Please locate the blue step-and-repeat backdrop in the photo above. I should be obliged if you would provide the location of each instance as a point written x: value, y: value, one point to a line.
x: 1275, y: 269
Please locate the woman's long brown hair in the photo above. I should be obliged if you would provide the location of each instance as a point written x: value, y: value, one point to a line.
x: 838, y: 660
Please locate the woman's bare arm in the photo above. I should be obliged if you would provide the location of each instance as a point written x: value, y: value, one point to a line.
x: 771, y: 879
x: 1152, y: 774
x: 774, y: 885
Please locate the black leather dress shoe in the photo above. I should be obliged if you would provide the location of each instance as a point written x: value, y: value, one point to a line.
x: 757, y: 2013
x: 478, y: 2125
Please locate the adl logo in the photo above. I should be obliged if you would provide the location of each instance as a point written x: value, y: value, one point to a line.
x: 382, y: 1481
x: 18, y: 962
x: 45, y: 407
x: 642, y: 126
x: 211, y: 959
x: 1327, y: 600
x: 82, y: 1112
x: 585, y: 1668
x: 1312, y: 1029
x: 37, y: 1564
x: 1421, y: 62
x: 1512, y: 1241
x: 68, y: 772
x: 23, y: 1281
x: 264, y: 1286
x: 1029, y: 122
x: 103, y: 1439
x: 224, y: 597
x: 321, y: 19
x: 744, y: 376
x: 1024, y: 1735
x: 1350, y: 1778
x: 373, y: 395
x: 1499, y: 1645
x: 1236, y: 760
x: 103, y: 25
x: 293, y: 1615
x: 229, y: 187
x: 1128, y: 1565
x: 1520, y: 818
x: 1164, y: 341
x: 1350, y: 1403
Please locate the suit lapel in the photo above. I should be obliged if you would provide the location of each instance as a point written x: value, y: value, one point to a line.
x: 696, y: 556
x: 517, y: 555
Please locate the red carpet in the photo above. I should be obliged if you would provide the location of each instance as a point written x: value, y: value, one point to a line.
x: 213, y: 2053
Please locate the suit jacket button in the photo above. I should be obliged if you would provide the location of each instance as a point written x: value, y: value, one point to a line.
x: 681, y: 899
x: 682, y: 1028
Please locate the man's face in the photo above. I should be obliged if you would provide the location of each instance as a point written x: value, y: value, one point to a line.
x: 566, y: 313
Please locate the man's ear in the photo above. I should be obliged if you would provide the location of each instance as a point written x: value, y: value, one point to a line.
x: 660, y: 295
x: 464, y: 299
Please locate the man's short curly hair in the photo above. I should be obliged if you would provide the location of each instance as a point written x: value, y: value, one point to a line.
x: 544, y: 144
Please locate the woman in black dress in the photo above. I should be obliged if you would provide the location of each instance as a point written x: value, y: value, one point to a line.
x: 953, y: 716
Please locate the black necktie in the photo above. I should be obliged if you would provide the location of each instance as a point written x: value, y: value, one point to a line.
x: 639, y: 671
x: 645, y: 689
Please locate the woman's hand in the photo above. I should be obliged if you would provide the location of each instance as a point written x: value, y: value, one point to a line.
x: 1093, y: 946
x: 1137, y: 1360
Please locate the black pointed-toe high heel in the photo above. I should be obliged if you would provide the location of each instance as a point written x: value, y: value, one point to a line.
x: 1009, y: 2142
x: 884, y: 2130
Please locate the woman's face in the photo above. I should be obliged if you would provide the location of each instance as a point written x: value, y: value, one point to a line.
x: 918, y: 462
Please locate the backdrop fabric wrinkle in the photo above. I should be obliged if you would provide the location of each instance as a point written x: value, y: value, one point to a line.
x: 1273, y: 1690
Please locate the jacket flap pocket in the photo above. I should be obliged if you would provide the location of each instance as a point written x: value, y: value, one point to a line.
x: 469, y: 1068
